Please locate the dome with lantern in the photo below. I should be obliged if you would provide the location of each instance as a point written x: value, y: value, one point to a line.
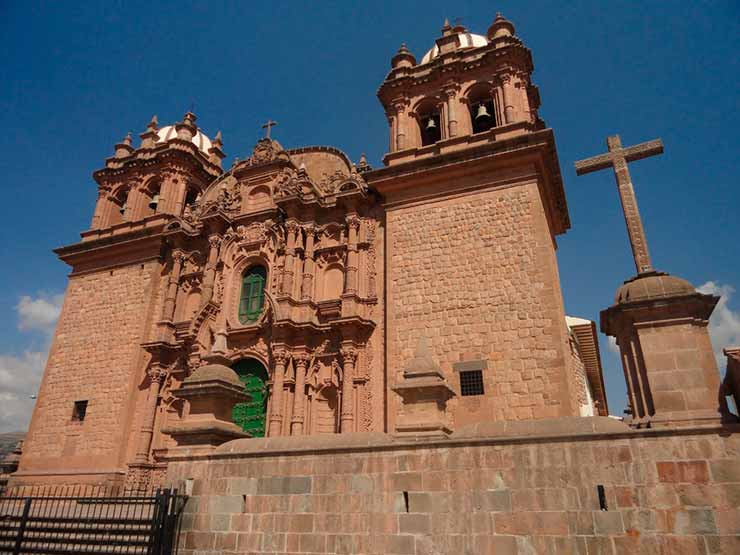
x: 465, y: 40
x: 199, y: 139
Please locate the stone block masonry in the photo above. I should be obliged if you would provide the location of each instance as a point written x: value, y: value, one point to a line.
x: 505, y: 494
x: 477, y: 275
x: 95, y: 357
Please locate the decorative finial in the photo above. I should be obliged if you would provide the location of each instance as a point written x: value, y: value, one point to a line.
x: 501, y: 27
x: 187, y: 129
x: 124, y: 148
x: 363, y: 165
x: 403, y: 58
x: 216, y: 155
x: 153, y: 124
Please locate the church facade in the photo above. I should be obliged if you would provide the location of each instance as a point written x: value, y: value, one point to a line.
x: 318, y: 280
x: 332, y: 358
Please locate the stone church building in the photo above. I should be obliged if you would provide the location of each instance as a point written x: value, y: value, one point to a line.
x: 306, y: 337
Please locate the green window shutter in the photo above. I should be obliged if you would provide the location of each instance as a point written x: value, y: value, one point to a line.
x: 252, y: 298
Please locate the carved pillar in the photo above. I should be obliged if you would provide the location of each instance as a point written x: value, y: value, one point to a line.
x: 292, y: 228
x: 350, y: 282
x: 508, y: 94
x: 401, y: 124
x: 309, y: 266
x: 280, y: 356
x: 347, y: 417
x: 156, y: 374
x: 214, y: 241
x: 168, y: 309
x: 451, y: 100
x: 301, y: 362
x: 101, y: 208
x: 392, y: 128
x: 179, y: 200
x: 168, y: 193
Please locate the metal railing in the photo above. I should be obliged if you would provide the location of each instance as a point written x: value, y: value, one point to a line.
x: 89, y: 519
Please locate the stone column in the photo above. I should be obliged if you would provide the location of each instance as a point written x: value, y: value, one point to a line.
x: 168, y: 309
x: 392, y: 127
x: 156, y: 374
x: 506, y: 84
x: 309, y: 268
x: 101, y: 208
x: 350, y: 282
x: 296, y: 424
x: 401, y: 120
x: 347, y: 417
x: 289, y: 264
x: 451, y: 100
x: 179, y: 200
x: 214, y: 241
x: 280, y: 356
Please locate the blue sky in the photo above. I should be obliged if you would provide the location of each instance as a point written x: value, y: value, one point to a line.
x: 77, y: 76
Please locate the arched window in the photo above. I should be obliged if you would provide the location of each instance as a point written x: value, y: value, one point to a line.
x: 430, y: 122
x: 152, y: 199
x: 482, y: 107
x: 252, y: 298
x: 118, y: 213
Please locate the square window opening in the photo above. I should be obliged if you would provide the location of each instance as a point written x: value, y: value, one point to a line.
x: 471, y: 383
x: 80, y: 410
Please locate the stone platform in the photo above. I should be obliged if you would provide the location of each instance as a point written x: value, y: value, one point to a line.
x: 504, y: 488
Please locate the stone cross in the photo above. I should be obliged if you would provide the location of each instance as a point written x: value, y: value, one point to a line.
x: 269, y: 125
x: 617, y: 158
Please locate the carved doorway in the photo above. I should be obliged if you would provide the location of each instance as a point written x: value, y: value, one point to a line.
x: 250, y: 416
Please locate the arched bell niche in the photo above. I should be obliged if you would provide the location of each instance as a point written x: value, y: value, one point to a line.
x: 251, y: 415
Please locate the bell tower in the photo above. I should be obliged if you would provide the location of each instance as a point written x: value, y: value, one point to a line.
x: 474, y: 202
x: 468, y: 89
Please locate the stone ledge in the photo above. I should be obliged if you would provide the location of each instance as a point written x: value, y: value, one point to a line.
x: 305, y: 443
x: 566, y: 425
x: 491, y: 433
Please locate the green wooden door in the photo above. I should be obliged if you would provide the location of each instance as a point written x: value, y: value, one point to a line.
x: 250, y: 416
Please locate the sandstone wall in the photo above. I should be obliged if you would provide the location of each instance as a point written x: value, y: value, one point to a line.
x: 521, y: 494
x: 477, y: 274
x: 95, y: 356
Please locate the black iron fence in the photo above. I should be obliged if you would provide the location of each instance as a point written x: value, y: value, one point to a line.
x: 89, y: 519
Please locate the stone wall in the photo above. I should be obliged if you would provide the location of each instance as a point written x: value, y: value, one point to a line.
x: 95, y: 356
x: 504, y: 488
x: 477, y: 274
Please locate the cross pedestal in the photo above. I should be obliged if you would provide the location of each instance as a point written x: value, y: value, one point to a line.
x: 659, y: 321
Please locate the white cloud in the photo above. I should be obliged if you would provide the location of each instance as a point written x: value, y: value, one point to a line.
x: 724, y: 324
x: 40, y: 313
x: 612, y: 344
x: 20, y: 374
x: 20, y: 377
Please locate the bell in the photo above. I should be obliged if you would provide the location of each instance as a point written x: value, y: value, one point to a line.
x: 482, y: 115
x: 154, y: 202
x: 431, y: 126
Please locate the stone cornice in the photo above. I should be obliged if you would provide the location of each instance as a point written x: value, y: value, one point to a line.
x: 540, y: 145
x: 518, y: 56
x: 562, y: 430
x: 175, y: 150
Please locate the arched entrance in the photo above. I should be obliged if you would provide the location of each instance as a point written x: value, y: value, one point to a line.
x: 250, y: 416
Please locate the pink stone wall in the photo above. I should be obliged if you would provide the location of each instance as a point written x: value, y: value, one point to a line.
x: 664, y: 493
x: 477, y: 274
x: 96, y: 357
x: 681, y: 366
